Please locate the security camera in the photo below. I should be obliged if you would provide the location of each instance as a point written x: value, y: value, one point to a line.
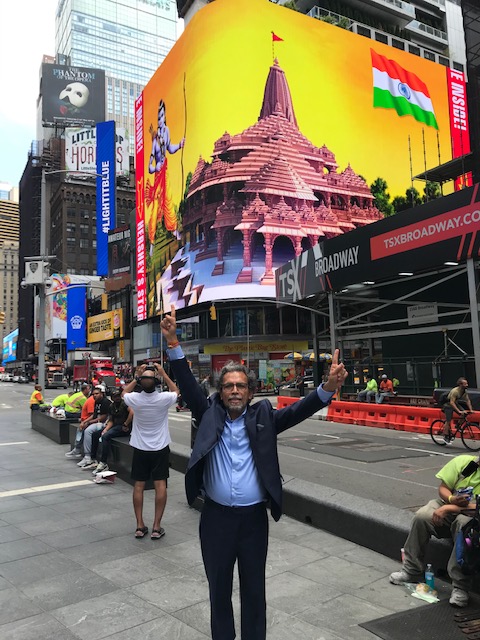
x: 48, y: 283
x: 23, y: 284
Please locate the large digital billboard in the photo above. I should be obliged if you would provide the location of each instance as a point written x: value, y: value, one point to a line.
x: 10, y: 347
x: 72, y: 95
x: 255, y: 145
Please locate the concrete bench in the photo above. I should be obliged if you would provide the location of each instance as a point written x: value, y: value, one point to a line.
x: 57, y: 429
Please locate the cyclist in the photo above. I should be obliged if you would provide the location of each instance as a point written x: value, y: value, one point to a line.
x: 458, y: 402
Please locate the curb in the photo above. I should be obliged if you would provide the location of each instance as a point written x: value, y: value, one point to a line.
x: 370, y: 524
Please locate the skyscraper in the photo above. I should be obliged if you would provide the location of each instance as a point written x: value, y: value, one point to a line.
x: 128, y: 39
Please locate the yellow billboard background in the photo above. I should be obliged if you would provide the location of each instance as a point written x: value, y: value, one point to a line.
x: 225, y: 56
x: 213, y: 82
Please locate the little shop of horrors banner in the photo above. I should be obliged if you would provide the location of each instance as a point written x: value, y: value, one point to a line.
x: 444, y: 230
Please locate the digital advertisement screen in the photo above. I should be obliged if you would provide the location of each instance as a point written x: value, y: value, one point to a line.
x: 254, y: 145
x: 10, y: 347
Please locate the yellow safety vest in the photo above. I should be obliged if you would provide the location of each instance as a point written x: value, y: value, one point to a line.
x: 34, y: 400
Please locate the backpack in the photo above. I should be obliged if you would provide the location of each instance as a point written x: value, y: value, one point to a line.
x: 467, y: 545
x: 444, y: 397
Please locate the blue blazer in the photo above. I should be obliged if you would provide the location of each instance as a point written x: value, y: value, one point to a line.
x: 263, y: 424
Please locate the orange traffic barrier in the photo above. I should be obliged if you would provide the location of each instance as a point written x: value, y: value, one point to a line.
x: 377, y: 415
x: 401, y: 417
x: 346, y: 412
x: 284, y: 401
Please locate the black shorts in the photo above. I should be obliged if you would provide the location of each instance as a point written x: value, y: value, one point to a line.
x: 449, y: 411
x: 150, y: 465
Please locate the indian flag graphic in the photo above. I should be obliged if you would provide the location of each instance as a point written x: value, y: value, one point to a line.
x: 396, y: 88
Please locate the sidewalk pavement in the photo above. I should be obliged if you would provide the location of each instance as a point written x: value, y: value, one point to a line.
x: 71, y: 568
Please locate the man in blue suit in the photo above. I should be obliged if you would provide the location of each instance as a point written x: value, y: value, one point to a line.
x: 234, y: 466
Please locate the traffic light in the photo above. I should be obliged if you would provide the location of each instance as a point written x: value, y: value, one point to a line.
x: 2, y: 317
x: 213, y: 312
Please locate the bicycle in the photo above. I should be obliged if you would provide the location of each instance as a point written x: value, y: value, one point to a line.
x: 469, y: 432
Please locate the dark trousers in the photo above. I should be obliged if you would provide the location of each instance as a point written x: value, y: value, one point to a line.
x: 227, y: 535
x: 115, y: 432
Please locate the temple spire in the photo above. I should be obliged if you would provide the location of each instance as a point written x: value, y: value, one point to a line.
x: 277, y: 98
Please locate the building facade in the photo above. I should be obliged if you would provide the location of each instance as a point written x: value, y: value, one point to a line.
x: 432, y: 29
x: 9, y: 285
x: 9, y: 236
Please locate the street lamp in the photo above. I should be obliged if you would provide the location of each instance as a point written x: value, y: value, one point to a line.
x: 43, y: 260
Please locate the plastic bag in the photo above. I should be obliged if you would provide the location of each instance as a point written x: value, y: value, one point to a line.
x: 105, y: 477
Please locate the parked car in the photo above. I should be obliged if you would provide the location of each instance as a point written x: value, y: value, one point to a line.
x: 22, y: 379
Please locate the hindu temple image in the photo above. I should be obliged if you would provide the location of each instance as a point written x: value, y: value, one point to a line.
x: 267, y: 195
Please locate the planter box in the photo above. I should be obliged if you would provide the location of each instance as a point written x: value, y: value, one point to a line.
x: 54, y: 428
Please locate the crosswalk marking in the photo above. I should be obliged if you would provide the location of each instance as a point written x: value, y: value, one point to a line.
x: 7, y: 444
x: 45, y: 487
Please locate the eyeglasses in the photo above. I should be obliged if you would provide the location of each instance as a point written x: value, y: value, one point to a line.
x: 241, y: 386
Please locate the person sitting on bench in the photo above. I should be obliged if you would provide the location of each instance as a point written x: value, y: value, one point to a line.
x: 386, y: 389
x: 370, y: 390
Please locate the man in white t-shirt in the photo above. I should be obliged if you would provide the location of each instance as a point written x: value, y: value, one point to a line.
x: 150, y: 439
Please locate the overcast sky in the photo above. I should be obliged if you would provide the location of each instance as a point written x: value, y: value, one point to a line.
x: 27, y: 31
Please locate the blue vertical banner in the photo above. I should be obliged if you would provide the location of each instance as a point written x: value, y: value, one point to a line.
x: 76, y: 318
x: 106, y: 191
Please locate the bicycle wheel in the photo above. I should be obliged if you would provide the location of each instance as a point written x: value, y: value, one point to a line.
x: 471, y: 436
x: 436, y: 432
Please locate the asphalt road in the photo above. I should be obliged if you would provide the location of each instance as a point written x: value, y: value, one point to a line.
x: 389, y: 467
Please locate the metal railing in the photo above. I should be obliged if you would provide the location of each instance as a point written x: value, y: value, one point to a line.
x: 406, y: 7
x: 438, y: 3
x: 426, y: 28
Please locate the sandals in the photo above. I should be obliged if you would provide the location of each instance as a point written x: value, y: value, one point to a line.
x: 141, y: 532
x: 157, y: 533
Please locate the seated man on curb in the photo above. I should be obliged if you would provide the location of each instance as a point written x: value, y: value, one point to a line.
x: 59, y: 401
x: 85, y: 414
x: 370, y: 390
x: 74, y: 404
x: 95, y: 423
x: 444, y: 517
x: 36, y: 399
x: 118, y: 424
x: 386, y: 389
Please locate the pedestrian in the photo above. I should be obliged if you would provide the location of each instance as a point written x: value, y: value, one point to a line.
x: 150, y: 440
x: 385, y: 390
x: 234, y: 466
x: 205, y: 384
x: 444, y: 517
x: 95, y: 423
x: 117, y: 425
x: 36, y: 399
x: 370, y: 391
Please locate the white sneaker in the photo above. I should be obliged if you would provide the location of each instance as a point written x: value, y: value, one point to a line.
x: 84, y: 461
x: 401, y: 577
x: 448, y: 441
x: 90, y: 466
x: 458, y: 597
x: 101, y: 466
x: 73, y: 455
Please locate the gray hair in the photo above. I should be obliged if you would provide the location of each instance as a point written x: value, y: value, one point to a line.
x: 231, y: 367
